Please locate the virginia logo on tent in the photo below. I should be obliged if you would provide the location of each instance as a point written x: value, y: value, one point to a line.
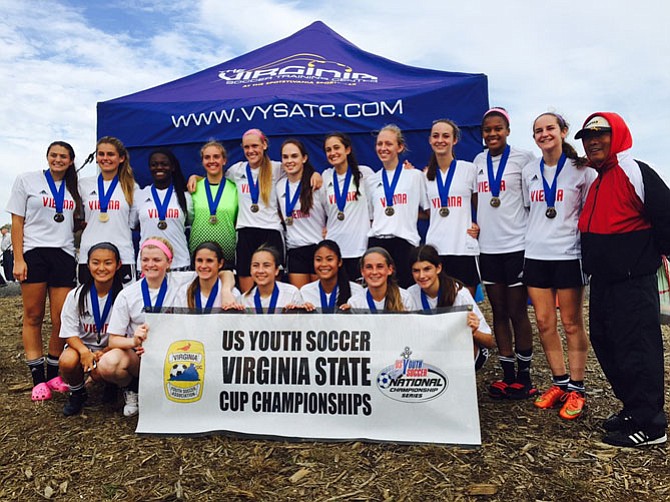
x: 304, y: 66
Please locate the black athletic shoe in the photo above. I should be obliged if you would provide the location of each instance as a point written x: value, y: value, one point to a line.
x: 615, y: 422
x: 632, y: 436
x: 75, y: 403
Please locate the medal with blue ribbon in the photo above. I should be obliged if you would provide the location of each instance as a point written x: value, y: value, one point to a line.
x: 389, y: 189
x: 290, y: 202
x: 253, y: 190
x: 341, y: 197
x: 210, y: 298
x: 550, y: 190
x: 162, y: 206
x: 371, y: 302
x: 213, y: 203
x: 444, y: 186
x: 328, y: 305
x: 146, y: 296
x: 95, y: 306
x: 58, y: 194
x: 105, y: 197
x: 496, y: 181
x: 273, y: 300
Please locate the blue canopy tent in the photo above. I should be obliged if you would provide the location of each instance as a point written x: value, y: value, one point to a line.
x: 304, y: 86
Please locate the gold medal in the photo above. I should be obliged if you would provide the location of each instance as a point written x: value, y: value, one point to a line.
x: 550, y: 212
x: 59, y: 217
x: 340, y: 215
x: 495, y: 202
x: 213, y: 219
x: 254, y: 208
x: 389, y: 211
x: 289, y: 220
x: 103, y: 217
x: 444, y: 211
x: 162, y: 224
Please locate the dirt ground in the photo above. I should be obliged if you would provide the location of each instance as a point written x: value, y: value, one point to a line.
x: 526, y: 453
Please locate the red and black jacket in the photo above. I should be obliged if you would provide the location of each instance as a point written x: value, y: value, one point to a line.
x: 625, y: 207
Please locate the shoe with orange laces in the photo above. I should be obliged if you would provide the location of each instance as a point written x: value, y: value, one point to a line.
x: 573, y: 407
x: 550, y: 398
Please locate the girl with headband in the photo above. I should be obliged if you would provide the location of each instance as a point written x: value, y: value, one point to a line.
x: 84, y: 321
x: 303, y: 211
x: 332, y: 290
x: 347, y: 201
x: 383, y: 293
x: 555, y: 188
x: 502, y: 220
x: 435, y: 289
x: 165, y: 207
x: 215, y: 204
x: 109, y: 209
x: 396, y: 194
x: 45, y: 206
x: 452, y: 191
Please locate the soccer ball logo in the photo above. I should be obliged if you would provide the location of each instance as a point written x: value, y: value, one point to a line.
x: 177, y: 370
x: 384, y: 380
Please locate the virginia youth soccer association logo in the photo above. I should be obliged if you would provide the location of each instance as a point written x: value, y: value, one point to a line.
x: 411, y: 380
x: 303, y: 67
x: 184, y: 371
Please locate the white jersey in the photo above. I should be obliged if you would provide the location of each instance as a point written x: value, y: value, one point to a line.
x: 128, y: 311
x: 360, y: 301
x: 306, y: 229
x: 351, y: 233
x: 83, y: 326
x: 310, y: 293
x: 555, y: 238
x: 463, y: 298
x: 31, y: 198
x: 502, y: 229
x: 117, y: 230
x: 409, y: 196
x: 182, y: 295
x: 267, y: 217
x: 448, y: 234
x: 175, y: 219
x: 288, y: 295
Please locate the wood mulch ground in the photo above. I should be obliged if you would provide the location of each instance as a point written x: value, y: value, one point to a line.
x: 526, y: 454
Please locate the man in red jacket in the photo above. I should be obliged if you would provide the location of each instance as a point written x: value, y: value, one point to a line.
x: 621, y: 227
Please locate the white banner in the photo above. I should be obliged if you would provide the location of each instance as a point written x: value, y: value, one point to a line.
x: 382, y: 377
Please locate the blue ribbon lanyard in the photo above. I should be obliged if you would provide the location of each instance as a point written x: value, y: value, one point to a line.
x: 95, y: 306
x: 424, y: 300
x: 57, y: 193
x: 289, y: 201
x: 253, y: 186
x: 210, y: 298
x: 444, y: 186
x: 214, y: 203
x: 161, y: 207
x: 550, y: 190
x: 341, y: 197
x: 389, y: 190
x: 328, y: 305
x: 495, y: 181
x: 371, y: 302
x: 273, y: 300
x: 159, y: 299
x: 105, y: 197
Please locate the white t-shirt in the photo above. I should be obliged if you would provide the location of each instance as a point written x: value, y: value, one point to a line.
x: 83, y: 326
x: 502, y: 229
x: 128, y: 311
x: 351, y: 234
x: 409, y: 195
x: 31, y: 198
x: 117, y: 229
x: 360, y: 301
x: 182, y: 294
x: 448, y: 234
x: 463, y: 298
x: 306, y: 229
x: 175, y: 218
x: 555, y: 238
x: 310, y: 293
x: 267, y: 217
x: 288, y: 294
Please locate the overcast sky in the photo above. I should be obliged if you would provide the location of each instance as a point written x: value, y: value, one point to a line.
x: 59, y: 58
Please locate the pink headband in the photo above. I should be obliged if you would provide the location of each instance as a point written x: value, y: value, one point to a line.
x: 500, y: 111
x: 256, y: 132
x: 158, y: 244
